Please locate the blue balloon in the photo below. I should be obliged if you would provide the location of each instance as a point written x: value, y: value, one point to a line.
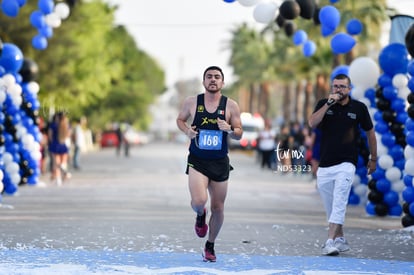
x: 398, y: 104
x: 39, y: 42
x: 326, y: 31
x: 11, y: 58
x: 393, y: 59
x: 342, y: 43
x: 390, y: 92
x: 370, y: 93
x: 309, y: 48
x: 408, y: 180
x: 341, y: 69
x: 370, y: 208
x: 388, y: 139
x: 378, y: 116
x: 409, y: 124
x: 391, y: 198
x: 395, y: 210
x: 378, y: 174
x: 10, y: 7
x: 411, y: 209
x: 396, y: 152
x: 329, y: 16
x: 408, y: 194
x: 401, y: 117
x: 46, y: 31
x: 37, y: 19
x: 410, y: 138
x: 383, y: 185
x: 21, y: 3
x: 353, y: 199
x: 229, y: 1
x: 354, y: 26
x: 400, y: 163
x: 381, y: 127
x: 46, y: 6
x: 411, y: 84
x: 300, y: 37
x: 385, y: 80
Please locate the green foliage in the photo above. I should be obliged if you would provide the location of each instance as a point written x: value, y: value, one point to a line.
x: 91, y: 67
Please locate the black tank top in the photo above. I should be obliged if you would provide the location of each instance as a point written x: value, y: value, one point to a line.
x: 210, y: 143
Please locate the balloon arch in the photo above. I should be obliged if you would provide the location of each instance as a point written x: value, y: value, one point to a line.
x: 389, y: 96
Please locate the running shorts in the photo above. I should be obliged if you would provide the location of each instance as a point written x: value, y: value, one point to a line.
x: 214, y: 169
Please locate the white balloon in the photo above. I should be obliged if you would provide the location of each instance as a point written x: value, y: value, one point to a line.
x: 12, y: 168
x: 385, y: 162
x: 361, y: 190
x: 15, y: 178
x: 1, y: 186
x: 248, y: 3
x: 17, y: 100
x: 409, y: 167
x: 398, y: 186
x: 393, y: 174
x: 265, y: 12
x: 364, y: 72
x: 381, y: 148
x: 53, y: 20
x: 7, y: 158
x: 36, y: 155
x: 358, y: 93
x: 365, y: 101
x: 1, y: 177
x: 62, y: 10
x: 2, y: 96
x: 404, y: 92
x: 33, y: 87
x: 408, y: 152
x: 15, y: 89
x: 357, y: 180
x: 9, y: 80
x: 399, y: 81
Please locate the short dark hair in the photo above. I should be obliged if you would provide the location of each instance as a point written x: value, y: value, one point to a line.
x: 343, y: 76
x: 216, y: 68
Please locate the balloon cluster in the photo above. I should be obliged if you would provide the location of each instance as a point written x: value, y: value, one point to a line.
x: 328, y: 17
x: 387, y: 106
x: 47, y: 17
x: 19, y: 132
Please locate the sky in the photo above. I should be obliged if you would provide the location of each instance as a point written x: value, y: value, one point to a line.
x: 186, y: 36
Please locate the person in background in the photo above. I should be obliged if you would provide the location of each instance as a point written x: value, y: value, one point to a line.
x: 339, y: 119
x: 213, y: 118
x: 78, y: 141
x: 59, y: 135
x: 267, y: 146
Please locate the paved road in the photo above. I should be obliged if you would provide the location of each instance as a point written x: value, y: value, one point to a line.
x: 131, y: 215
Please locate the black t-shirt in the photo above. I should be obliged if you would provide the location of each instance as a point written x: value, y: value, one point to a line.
x: 340, y: 129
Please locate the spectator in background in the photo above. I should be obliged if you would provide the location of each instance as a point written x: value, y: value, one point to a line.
x: 78, y: 141
x: 267, y: 146
x: 59, y: 135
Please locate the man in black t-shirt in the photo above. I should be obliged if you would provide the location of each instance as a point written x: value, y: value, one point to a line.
x: 339, y: 119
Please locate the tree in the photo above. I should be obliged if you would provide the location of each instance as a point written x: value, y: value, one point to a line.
x: 88, y: 61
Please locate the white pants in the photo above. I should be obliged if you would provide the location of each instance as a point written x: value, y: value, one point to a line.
x: 334, y: 184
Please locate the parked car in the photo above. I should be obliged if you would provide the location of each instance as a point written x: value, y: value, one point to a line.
x: 109, y: 138
x: 251, y: 128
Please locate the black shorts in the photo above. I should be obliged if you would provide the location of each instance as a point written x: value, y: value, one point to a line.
x: 214, y: 169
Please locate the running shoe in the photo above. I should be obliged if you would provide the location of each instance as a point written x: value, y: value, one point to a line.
x: 341, y: 244
x: 209, y: 255
x: 201, y: 227
x: 329, y: 249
